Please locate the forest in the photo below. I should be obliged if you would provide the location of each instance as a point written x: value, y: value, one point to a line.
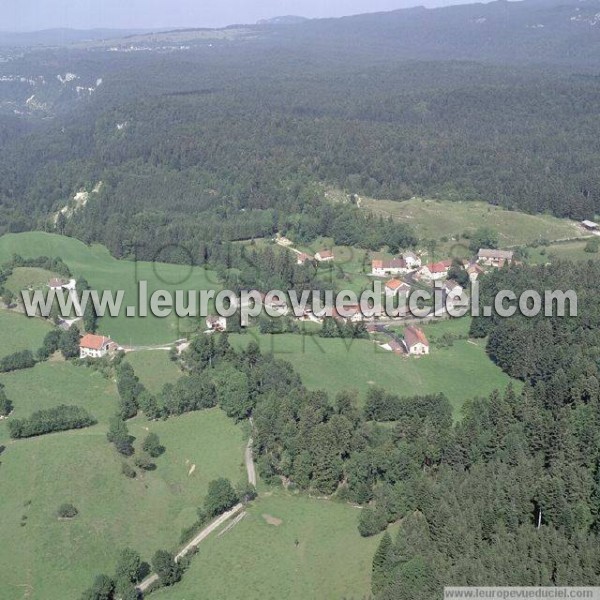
x: 205, y: 149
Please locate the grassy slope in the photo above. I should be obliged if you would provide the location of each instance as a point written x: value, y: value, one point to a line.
x: 154, y: 368
x: 258, y: 561
x: 105, y: 272
x: 461, y: 372
x: 17, y: 332
x: 435, y: 219
x: 24, y: 278
x: 57, y: 559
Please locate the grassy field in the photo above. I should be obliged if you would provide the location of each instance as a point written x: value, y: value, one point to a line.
x: 26, y: 278
x: 259, y: 561
x: 104, y: 272
x: 50, y: 559
x: 17, y: 332
x: 434, y: 219
x: 461, y: 372
x: 154, y: 368
x: 574, y: 251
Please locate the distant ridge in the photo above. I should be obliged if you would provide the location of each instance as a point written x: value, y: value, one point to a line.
x: 285, y: 20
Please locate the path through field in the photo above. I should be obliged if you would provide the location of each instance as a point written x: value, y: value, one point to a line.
x: 236, y: 510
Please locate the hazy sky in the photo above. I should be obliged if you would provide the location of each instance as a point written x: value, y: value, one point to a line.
x: 29, y: 15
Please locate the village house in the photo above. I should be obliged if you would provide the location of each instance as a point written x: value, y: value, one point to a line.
x: 301, y: 258
x: 474, y: 272
x: 95, y: 346
x: 590, y: 225
x: 56, y: 283
x: 494, y: 258
x: 283, y: 241
x: 435, y: 271
x: 395, y: 266
x: 395, y: 287
x: 415, y: 341
x: 324, y: 256
x: 216, y: 323
x: 412, y: 260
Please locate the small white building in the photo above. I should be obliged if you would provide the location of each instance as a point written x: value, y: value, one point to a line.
x: 324, y: 256
x: 95, y: 346
x: 395, y: 287
x: 216, y: 323
x: 412, y: 260
x: 435, y: 271
x: 415, y: 341
x: 56, y: 283
x: 590, y: 225
x: 394, y: 266
x: 474, y: 272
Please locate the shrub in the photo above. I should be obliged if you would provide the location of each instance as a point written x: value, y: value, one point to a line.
x: 67, y: 511
x: 128, y: 470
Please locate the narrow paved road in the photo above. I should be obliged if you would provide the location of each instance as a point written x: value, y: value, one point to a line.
x: 250, y: 469
x: 202, y: 535
x: 144, y: 585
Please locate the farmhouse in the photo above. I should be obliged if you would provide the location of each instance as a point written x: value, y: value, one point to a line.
x: 301, y: 258
x: 396, y: 287
x: 435, y: 271
x: 324, y: 256
x: 590, y: 225
x: 95, y: 346
x: 494, y: 258
x: 395, y: 266
x: 474, y: 271
x: 56, y: 283
x: 216, y: 323
x: 415, y: 341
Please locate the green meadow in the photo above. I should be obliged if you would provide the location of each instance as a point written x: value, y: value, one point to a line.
x: 104, y: 272
x: 437, y: 219
x: 25, y: 278
x: 17, y: 332
x: 52, y: 559
x: 310, y: 549
x: 154, y: 368
x: 461, y: 372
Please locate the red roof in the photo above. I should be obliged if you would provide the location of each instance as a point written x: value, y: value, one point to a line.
x: 394, y: 284
x: 413, y: 336
x: 439, y: 267
x: 325, y: 253
x: 93, y: 342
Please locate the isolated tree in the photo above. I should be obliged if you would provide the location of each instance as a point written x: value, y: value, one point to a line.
x: 6, y: 405
x: 164, y: 565
x: 118, y: 434
x: 152, y: 445
x: 128, y: 565
x: 69, y: 342
x: 220, y: 497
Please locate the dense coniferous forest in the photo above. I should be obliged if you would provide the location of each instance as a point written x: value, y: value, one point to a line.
x: 239, y: 140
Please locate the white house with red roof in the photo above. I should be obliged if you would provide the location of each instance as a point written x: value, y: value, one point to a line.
x: 95, y: 346
x: 435, y: 271
x: 324, y: 256
x: 302, y: 257
x: 396, y: 287
x: 394, y: 266
x: 415, y: 341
